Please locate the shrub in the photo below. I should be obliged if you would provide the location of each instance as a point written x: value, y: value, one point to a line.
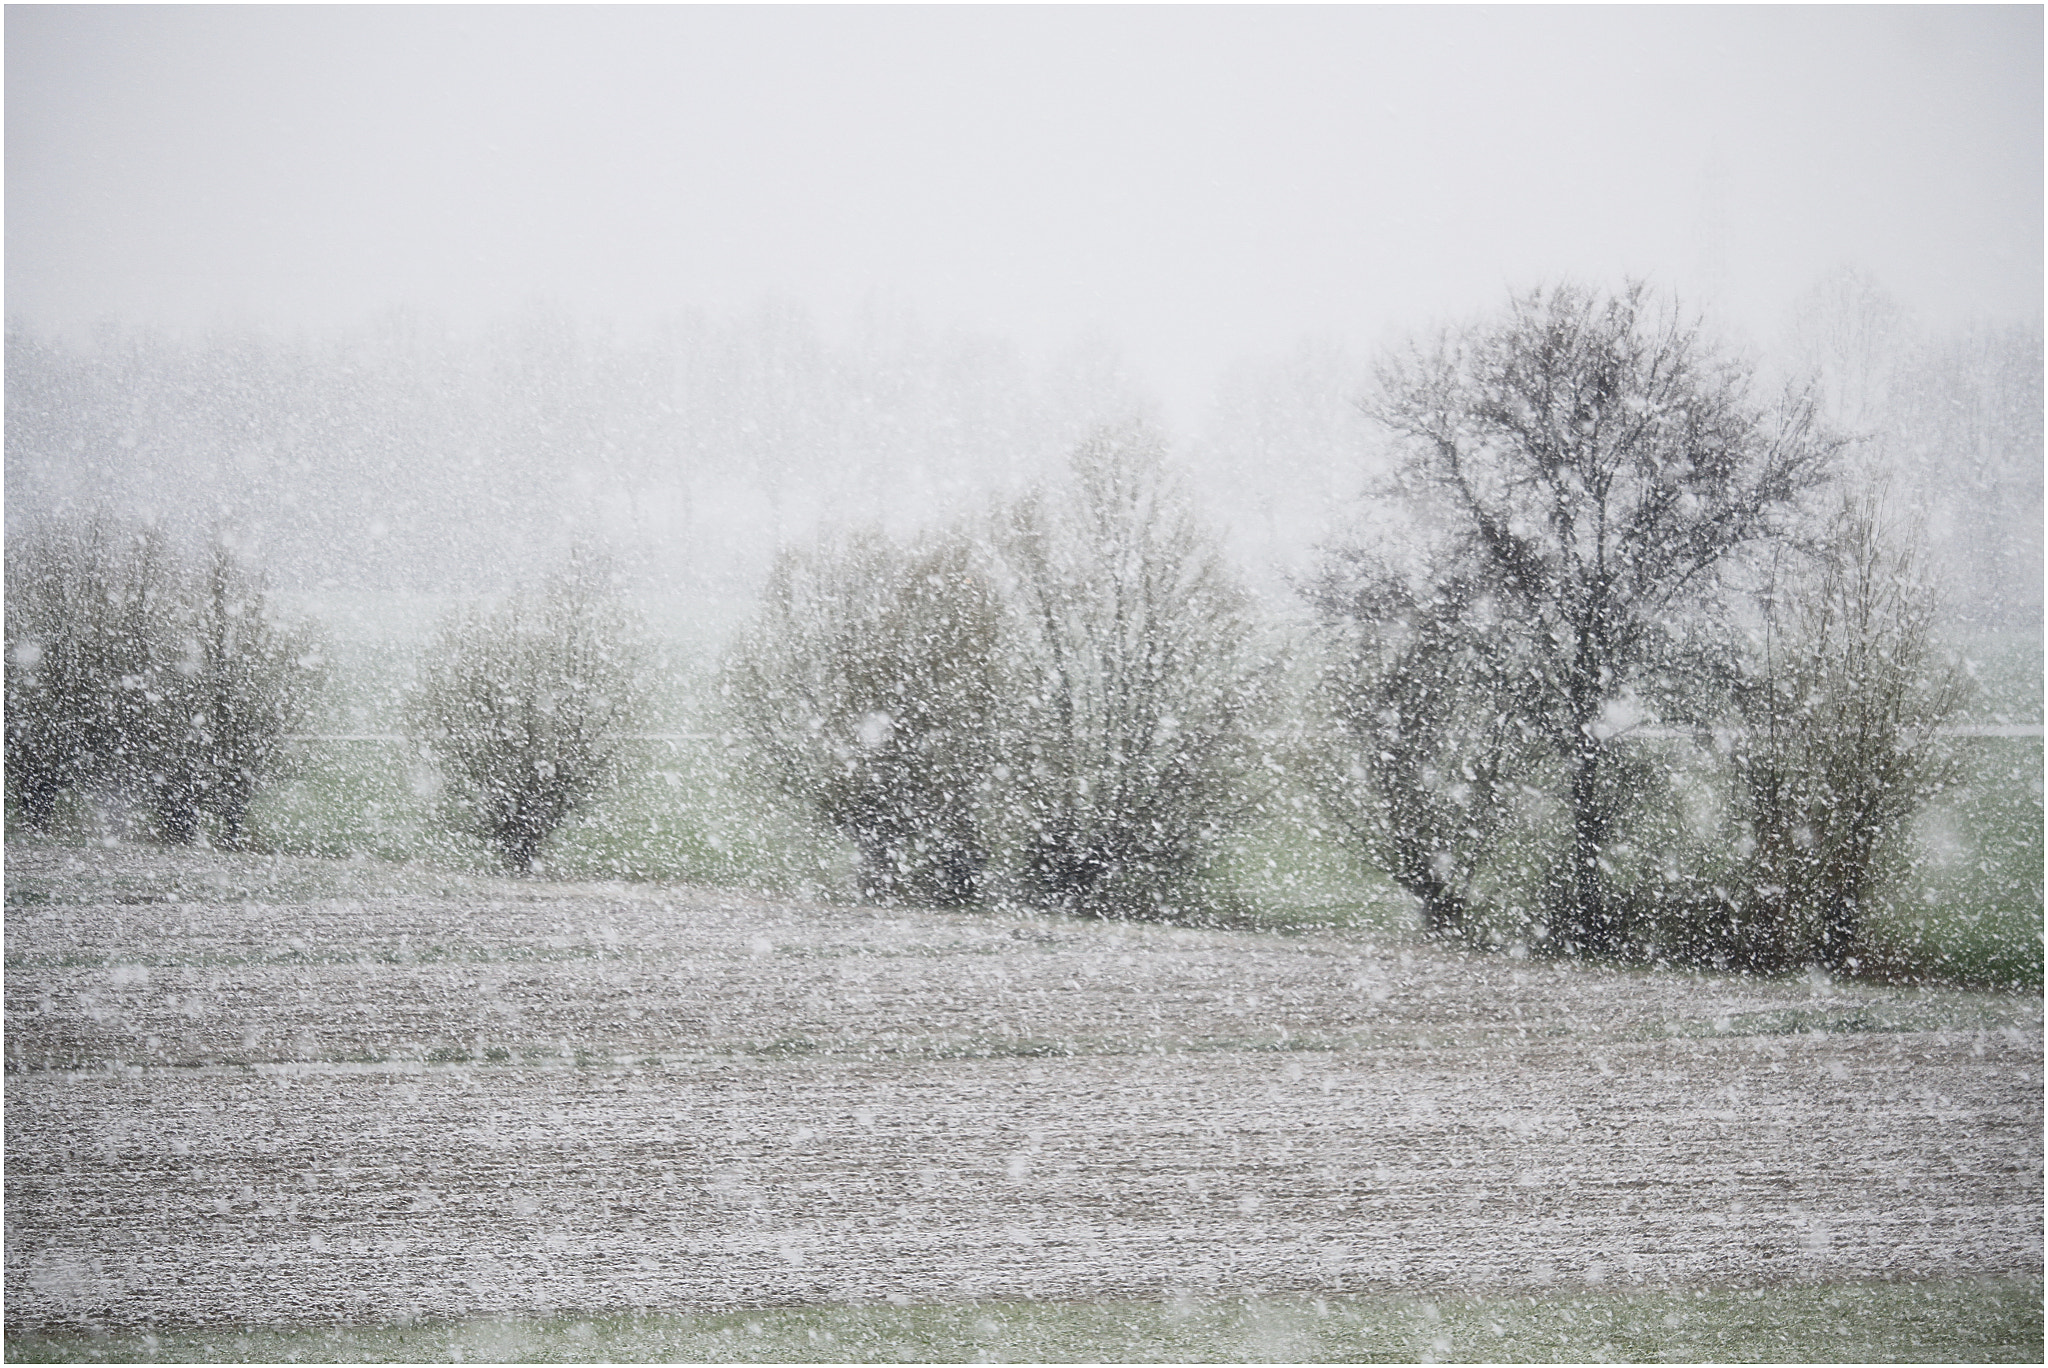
x: 864, y: 694
x: 1423, y: 691
x: 1066, y: 719
x: 525, y: 707
x: 237, y: 684
x: 88, y: 605
x: 1841, y: 747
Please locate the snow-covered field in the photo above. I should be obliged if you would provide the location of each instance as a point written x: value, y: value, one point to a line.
x: 261, y: 1090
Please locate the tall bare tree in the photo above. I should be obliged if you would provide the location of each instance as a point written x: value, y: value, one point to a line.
x: 1593, y: 462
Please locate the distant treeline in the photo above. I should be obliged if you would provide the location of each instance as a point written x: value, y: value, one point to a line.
x: 404, y: 457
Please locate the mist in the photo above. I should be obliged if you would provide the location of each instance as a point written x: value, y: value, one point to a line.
x: 395, y: 289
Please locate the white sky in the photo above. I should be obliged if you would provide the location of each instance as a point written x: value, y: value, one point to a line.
x: 1192, y: 185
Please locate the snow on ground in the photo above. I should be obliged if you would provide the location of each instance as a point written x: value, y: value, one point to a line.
x: 267, y: 1090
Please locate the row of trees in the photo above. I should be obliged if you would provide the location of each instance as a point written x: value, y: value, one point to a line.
x: 404, y: 455
x: 409, y: 456
x: 1634, y: 675
x: 1639, y: 678
x: 143, y: 677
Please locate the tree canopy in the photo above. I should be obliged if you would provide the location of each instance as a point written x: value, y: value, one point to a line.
x: 1591, y: 462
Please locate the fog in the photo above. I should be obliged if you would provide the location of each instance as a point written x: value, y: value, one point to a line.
x: 1195, y: 187
x: 395, y: 289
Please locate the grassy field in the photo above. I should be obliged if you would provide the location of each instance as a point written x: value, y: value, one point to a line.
x: 1976, y: 1321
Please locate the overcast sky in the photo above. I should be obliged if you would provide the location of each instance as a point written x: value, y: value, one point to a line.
x: 1191, y: 185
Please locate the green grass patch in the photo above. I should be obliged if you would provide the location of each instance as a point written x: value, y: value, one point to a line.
x: 1947, y: 1012
x: 372, y: 798
x: 1288, y: 872
x: 1969, y: 909
x: 1981, y: 1321
x: 678, y: 816
x: 93, y: 873
x: 683, y: 815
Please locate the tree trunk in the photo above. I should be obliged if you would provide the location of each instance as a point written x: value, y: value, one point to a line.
x: 177, y: 817
x: 1592, y: 921
x: 1443, y: 908
x: 1443, y: 911
x: 877, y: 864
x: 36, y: 799
x: 1840, y: 924
x: 230, y: 814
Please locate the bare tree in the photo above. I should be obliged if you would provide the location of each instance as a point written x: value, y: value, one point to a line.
x: 526, y: 707
x: 237, y: 681
x: 90, y: 607
x: 1594, y: 462
x: 865, y: 694
x: 1135, y: 689
x: 132, y: 676
x: 1953, y: 422
x: 1841, y: 747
